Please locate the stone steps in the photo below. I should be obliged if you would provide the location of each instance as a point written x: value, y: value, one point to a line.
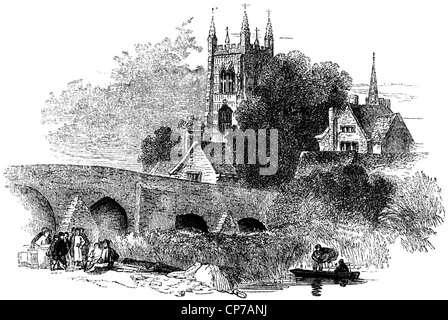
x: 221, y: 222
x: 65, y: 222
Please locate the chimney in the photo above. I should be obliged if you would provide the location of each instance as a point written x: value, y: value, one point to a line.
x: 187, y: 142
x: 197, y: 130
x: 353, y: 99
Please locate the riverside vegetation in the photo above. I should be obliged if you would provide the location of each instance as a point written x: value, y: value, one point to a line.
x: 343, y: 207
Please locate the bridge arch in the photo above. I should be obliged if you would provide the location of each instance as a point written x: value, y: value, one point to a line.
x: 42, y: 213
x: 191, y: 222
x: 110, y: 218
x: 248, y: 225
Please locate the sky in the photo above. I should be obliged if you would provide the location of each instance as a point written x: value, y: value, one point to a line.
x: 46, y: 44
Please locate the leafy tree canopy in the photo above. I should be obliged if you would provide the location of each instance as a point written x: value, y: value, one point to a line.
x: 293, y: 97
x: 156, y: 147
x: 150, y: 88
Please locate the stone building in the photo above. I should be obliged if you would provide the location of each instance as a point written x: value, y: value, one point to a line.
x: 196, y: 166
x: 232, y: 73
x: 369, y: 128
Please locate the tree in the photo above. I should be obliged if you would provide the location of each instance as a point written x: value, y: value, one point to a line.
x: 293, y: 97
x: 156, y: 147
x: 150, y: 88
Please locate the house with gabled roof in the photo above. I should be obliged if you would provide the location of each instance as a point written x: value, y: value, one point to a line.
x: 196, y: 165
x: 369, y: 128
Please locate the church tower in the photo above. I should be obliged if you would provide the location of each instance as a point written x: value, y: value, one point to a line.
x: 233, y: 71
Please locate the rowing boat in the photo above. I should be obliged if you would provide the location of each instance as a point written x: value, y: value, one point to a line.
x: 303, y: 273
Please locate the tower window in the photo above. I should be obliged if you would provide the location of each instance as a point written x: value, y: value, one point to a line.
x: 227, y: 81
x: 225, y: 118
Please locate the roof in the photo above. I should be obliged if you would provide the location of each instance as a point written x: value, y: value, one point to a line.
x: 168, y: 168
x: 323, y: 134
x: 162, y: 168
x: 367, y: 115
x: 184, y: 159
x: 223, y: 169
x: 382, y: 126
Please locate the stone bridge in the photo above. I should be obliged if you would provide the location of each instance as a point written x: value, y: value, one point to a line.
x: 108, y: 200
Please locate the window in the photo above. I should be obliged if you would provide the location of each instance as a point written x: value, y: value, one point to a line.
x: 349, y: 146
x: 225, y: 118
x: 194, y: 176
x: 348, y: 129
x: 227, y: 81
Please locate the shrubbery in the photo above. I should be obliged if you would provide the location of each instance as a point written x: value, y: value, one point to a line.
x: 358, y: 214
x: 254, y: 257
x: 413, y: 213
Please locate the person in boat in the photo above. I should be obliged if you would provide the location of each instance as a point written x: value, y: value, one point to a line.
x: 342, y: 267
x: 322, y: 255
x: 42, y: 238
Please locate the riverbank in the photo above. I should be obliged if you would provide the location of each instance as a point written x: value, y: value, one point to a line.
x: 126, y: 284
x: 120, y: 281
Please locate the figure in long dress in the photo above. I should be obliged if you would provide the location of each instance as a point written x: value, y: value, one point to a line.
x: 78, y: 243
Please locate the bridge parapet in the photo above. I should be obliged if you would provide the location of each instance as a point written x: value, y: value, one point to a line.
x: 148, y: 201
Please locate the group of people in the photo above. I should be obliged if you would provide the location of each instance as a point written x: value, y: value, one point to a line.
x: 74, y: 249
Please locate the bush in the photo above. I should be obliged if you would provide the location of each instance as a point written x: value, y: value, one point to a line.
x: 360, y: 214
x: 414, y: 212
x: 343, y: 193
x: 308, y: 212
x: 255, y: 257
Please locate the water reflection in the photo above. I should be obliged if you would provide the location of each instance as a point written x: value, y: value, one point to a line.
x: 317, y: 284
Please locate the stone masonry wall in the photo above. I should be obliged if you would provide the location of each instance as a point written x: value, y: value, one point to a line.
x: 149, y: 201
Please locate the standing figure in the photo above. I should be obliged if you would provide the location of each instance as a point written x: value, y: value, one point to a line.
x: 58, y: 253
x: 77, y: 248
x: 85, y: 246
x: 50, y: 252
x: 322, y: 255
x: 72, y: 244
x: 68, y: 245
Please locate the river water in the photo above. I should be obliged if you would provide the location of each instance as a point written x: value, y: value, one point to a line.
x: 316, y: 285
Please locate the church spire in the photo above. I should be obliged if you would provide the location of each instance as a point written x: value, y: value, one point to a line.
x: 372, y: 99
x: 245, y: 25
x: 227, y: 36
x: 245, y: 31
x: 269, y: 35
x: 212, y: 31
x: 256, y: 43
